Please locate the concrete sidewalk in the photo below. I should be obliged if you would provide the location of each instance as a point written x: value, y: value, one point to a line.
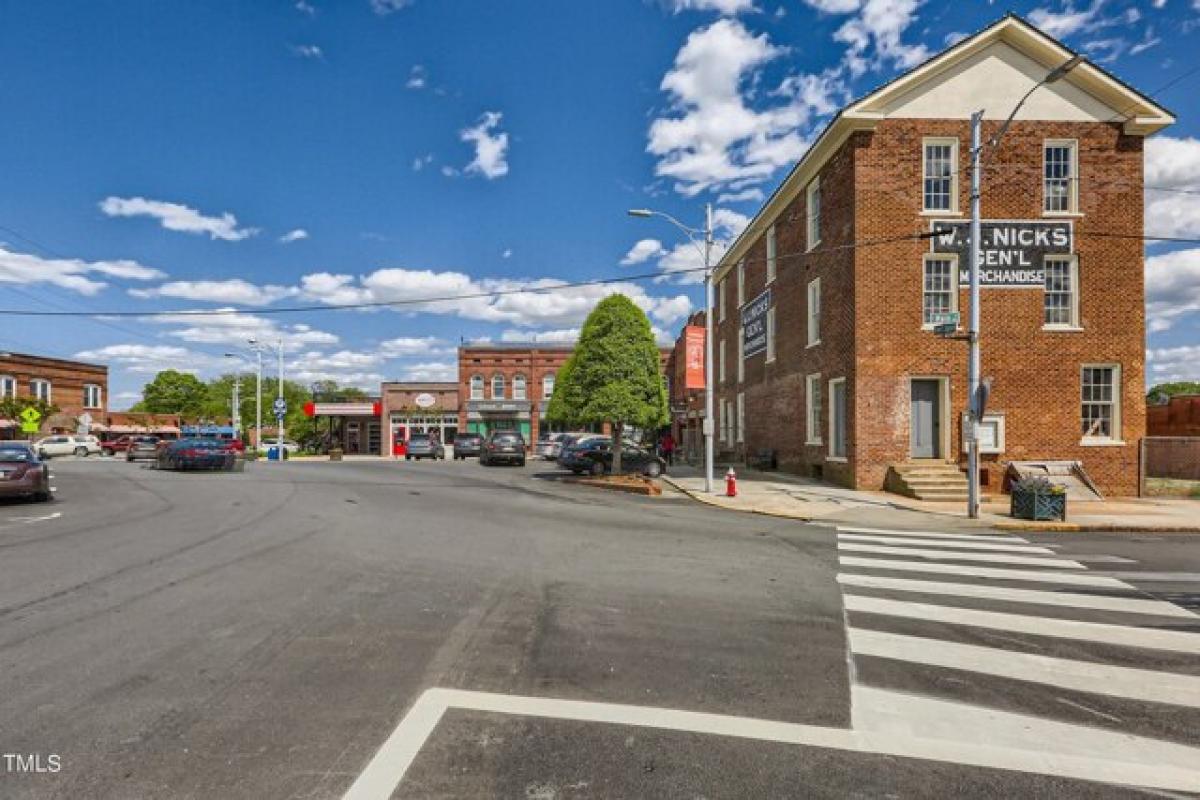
x: 780, y: 494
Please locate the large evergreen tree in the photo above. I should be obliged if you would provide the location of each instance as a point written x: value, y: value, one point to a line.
x: 614, y: 375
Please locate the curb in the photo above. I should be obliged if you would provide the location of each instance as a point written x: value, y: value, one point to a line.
x: 1079, y: 527
x: 707, y: 500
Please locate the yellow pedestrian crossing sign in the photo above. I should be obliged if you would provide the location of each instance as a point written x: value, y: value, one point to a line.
x: 30, y: 419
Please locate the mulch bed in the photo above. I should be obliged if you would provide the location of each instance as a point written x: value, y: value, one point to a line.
x: 632, y: 484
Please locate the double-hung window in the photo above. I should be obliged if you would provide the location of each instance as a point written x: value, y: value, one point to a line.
x: 771, y: 245
x: 940, y: 290
x: 8, y: 386
x: 837, y: 418
x: 812, y: 399
x: 1061, y: 304
x: 770, y: 334
x: 741, y: 356
x: 721, y: 301
x: 518, y: 387
x: 476, y: 387
x: 939, y: 190
x: 1101, y: 402
x: 91, y: 395
x: 814, y: 312
x: 741, y: 283
x: 40, y: 389
x: 548, y: 386
x: 497, y: 387
x: 813, y: 206
x: 740, y: 419
x: 1060, y: 183
x: 721, y: 361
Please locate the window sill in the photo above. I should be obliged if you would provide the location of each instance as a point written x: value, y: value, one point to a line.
x: 814, y: 443
x: 770, y: 279
x: 925, y: 326
x: 1063, y: 214
x: 837, y: 459
x: 1101, y: 443
x: 812, y: 344
x: 770, y: 360
x: 1062, y: 328
x: 934, y: 213
x: 813, y: 246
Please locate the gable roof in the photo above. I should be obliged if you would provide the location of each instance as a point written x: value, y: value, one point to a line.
x: 1142, y: 116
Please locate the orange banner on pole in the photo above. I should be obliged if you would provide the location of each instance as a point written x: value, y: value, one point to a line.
x: 693, y: 338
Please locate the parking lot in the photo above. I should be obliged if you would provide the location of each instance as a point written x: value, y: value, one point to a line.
x: 440, y: 629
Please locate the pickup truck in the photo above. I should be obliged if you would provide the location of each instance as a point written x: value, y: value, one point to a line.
x: 118, y: 445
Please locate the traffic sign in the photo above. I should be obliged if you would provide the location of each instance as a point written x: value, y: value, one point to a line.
x: 31, y: 414
x: 280, y: 406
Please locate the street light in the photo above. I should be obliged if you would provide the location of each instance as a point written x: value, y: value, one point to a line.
x: 975, y: 399
x: 706, y: 252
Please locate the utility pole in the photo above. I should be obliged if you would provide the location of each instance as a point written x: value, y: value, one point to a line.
x: 279, y: 434
x: 709, y: 377
x: 973, y: 360
x: 258, y: 403
x: 236, y: 417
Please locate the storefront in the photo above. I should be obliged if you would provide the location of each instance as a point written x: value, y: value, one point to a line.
x: 353, y: 426
x: 486, y: 416
x: 419, y: 407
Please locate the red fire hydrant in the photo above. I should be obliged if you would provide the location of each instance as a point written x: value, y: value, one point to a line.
x: 731, y: 483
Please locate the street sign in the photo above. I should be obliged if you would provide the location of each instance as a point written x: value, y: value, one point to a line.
x: 280, y: 406
x: 945, y: 329
x: 30, y: 420
x: 940, y: 318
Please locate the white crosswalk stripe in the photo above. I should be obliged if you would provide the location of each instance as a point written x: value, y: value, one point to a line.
x: 948, y: 580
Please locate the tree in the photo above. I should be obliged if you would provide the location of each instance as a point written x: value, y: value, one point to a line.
x: 11, y: 408
x: 1173, y: 389
x: 561, y: 408
x: 614, y: 374
x: 174, y: 392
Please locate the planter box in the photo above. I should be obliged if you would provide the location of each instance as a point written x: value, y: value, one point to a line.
x: 1039, y: 506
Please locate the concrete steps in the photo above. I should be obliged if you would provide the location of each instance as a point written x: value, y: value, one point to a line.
x: 928, y: 480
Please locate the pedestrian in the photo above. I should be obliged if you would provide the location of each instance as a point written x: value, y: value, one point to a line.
x: 667, y: 446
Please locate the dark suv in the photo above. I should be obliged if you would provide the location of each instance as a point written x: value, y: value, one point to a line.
x: 503, y: 446
x: 467, y: 444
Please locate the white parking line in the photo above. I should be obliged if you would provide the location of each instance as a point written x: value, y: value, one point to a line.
x: 969, y: 537
x: 1080, y: 676
x: 1101, y: 633
x: 1129, y: 605
x: 961, y: 570
x: 1146, y: 763
x: 999, y: 546
x: 946, y: 555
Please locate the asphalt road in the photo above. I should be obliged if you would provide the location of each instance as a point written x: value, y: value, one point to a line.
x: 264, y: 635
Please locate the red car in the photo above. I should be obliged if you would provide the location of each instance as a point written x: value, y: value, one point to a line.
x: 22, y: 473
x: 118, y: 445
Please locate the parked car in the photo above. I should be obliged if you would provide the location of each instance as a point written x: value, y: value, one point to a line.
x: 422, y: 445
x: 503, y: 446
x: 634, y: 461
x: 570, y: 440
x: 142, y: 447
x: 574, y: 456
x: 550, y: 445
x: 110, y: 447
x: 196, y: 454
x: 67, y: 445
x: 23, y: 473
x: 467, y: 444
x: 290, y: 447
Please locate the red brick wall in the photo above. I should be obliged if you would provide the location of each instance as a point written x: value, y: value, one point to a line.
x: 1180, y: 417
x: 67, y: 379
x: 1036, y: 372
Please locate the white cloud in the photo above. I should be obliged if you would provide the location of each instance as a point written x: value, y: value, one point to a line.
x: 176, y: 217
x: 835, y: 6
x: 744, y: 196
x: 642, y: 251
x: 721, y: 6
x: 1148, y: 40
x: 712, y: 137
x: 432, y: 371
x: 294, y: 236
x: 308, y: 51
x: 1172, y: 288
x: 560, y: 336
x: 234, y: 290
x: 881, y: 23
x: 449, y: 171
x: 409, y: 346
x: 149, y: 359
x: 305, y: 8
x: 385, y: 7
x: 491, y: 146
x: 1169, y: 364
x: 1061, y: 24
x: 507, y: 253
x: 69, y: 273
x: 346, y: 367
x: 232, y: 329
x: 417, y: 78
x: 1173, y: 163
x: 421, y: 162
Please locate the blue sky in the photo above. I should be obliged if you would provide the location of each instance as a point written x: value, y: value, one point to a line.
x: 174, y: 155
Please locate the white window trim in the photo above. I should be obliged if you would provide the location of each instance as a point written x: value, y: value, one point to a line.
x: 770, y: 335
x: 548, y: 383
x: 1074, y: 326
x: 88, y: 388
x: 9, y: 381
x: 524, y: 387
x: 741, y: 357
x: 739, y: 420
x: 721, y: 300
x: 721, y: 361
x: 503, y: 386
x: 812, y: 234
x: 772, y: 254
x: 812, y: 422
x: 1116, y: 440
x: 741, y: 283
x: 482, y: 387
x: 829, y: 456
x: 953, y: 142
x: 954, y: 290
x: 813, y: 340
x: 1073, y: 196
x: 49, y: 398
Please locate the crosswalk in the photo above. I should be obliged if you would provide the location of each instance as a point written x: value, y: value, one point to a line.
x: 994, y: 641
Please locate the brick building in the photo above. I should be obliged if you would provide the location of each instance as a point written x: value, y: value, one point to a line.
x: 825, y: 306
x: 685, y: 375
x: 77, y: 388
x: 415, y: 407
x: 507, y: 386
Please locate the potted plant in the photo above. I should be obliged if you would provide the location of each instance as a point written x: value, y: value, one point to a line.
x: 336, y: 453
x: 1036, y: 498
